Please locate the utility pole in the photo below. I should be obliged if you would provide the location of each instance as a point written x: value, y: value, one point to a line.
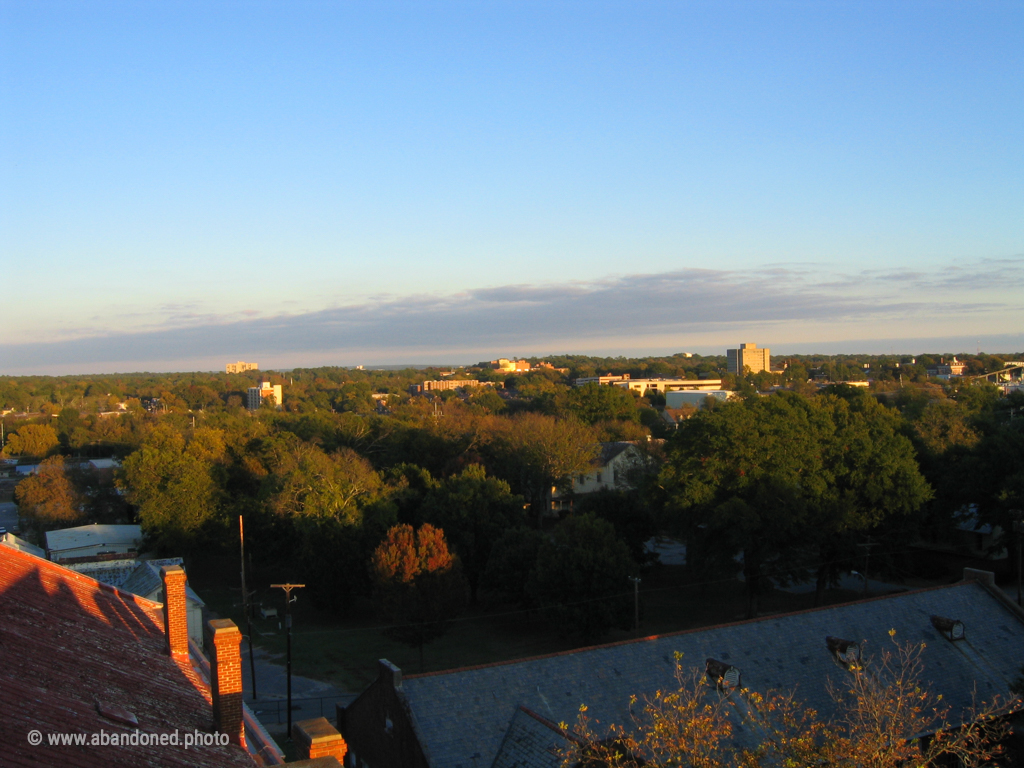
x: 288, y: 600
x: 1018, y: 528
x: 636, y: 605
x: 867, y: 561
x: 248, y: 610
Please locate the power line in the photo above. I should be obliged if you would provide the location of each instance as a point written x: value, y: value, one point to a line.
x: 553, y: 606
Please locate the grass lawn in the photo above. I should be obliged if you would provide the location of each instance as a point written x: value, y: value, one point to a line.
x: 344, y: 650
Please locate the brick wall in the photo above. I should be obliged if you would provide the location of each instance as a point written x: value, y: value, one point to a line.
x: 376, y: 726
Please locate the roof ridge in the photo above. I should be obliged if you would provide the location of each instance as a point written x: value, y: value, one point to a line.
x: 71, y: 575
x: 681, y: 632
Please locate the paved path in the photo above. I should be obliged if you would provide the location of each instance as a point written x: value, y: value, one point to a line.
x: 310, y: 698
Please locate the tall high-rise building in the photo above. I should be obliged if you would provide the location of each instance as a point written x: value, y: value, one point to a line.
x: 748, y: 356
x: 241, y: 367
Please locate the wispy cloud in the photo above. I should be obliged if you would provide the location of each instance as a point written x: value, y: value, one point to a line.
x: 685, y: 301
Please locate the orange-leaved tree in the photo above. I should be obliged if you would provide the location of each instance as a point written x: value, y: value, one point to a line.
x: 418, y: 584
x: 48, y: 498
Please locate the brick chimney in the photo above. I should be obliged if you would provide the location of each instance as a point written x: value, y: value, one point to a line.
x: 175, y: 612
x: 318, y: 738
x: 223, y: 640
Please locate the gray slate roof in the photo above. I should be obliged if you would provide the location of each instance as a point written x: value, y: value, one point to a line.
x: 530, y: 742
x: 462, y: 716
x: 146, y: 579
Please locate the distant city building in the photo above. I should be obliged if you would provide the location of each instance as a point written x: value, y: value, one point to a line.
x: 748, y: 356
x: 256, y: 395
x: 511, y: 366
x: 642, y: 385
x: 242, y: 367
x: 447, y: 384
x: 946, y: 370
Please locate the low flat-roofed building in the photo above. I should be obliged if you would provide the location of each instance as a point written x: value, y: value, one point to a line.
x: 680, y: 398
x: 92, y: 540
x: 241, y: 367
x: 641, y: 386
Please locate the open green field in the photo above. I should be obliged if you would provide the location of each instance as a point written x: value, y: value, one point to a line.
x: 344, y: 650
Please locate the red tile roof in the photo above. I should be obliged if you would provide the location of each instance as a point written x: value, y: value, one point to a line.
x: 71, y: 647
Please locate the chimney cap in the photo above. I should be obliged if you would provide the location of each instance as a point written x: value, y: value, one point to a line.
x: 389, y: 673
x: 723, y: 674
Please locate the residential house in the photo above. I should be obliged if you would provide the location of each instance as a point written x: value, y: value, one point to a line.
x: 616, y: 468
x: 501, y: 715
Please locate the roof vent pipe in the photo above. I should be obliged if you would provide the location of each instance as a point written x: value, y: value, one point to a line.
x: 952, y: 629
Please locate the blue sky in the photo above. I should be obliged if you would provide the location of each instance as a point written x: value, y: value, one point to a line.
x: 183, y: 184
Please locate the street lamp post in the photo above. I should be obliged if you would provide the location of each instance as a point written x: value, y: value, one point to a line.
x: 865, y: 578
x: 288, y: 600
x: 636, y: 605
x: 1018, y: 528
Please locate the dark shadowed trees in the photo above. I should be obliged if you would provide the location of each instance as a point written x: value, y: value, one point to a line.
x: 474, y: 510
x: 582, y: 574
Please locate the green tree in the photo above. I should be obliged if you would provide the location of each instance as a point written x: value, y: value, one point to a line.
x: 306, y: 483
x: 582, y: 575
x: 475, y: 510
x: 537, y: 453
x: 49, y: 498
x: 593, y: 403
x: 874, y: 481
x: 774, y: 478
x: 176, y: 484
x: 418, y: 584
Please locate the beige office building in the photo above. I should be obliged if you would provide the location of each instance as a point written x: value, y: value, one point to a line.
x: 242, y: 367
x: 748, y: 356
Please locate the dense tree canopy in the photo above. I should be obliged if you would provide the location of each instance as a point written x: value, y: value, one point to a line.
x: 773, y: 478
x: 476, y: 510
